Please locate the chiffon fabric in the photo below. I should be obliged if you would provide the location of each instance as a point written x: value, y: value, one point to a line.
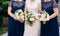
x: 15, y: 28
x: 51, y: 26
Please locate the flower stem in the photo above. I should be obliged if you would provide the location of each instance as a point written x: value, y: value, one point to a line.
x: 44, y: 22
x: 31, y: 24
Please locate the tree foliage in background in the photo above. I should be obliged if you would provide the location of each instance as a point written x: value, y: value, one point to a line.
x: 3, y: 9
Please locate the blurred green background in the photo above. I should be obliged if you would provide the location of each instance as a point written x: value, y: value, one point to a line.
x: 3, y: 16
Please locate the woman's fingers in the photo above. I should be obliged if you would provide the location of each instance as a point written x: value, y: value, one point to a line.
x: 45, y: 19
x: 21, y: 20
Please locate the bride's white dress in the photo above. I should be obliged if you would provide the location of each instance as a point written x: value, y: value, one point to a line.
x: 35, y: 29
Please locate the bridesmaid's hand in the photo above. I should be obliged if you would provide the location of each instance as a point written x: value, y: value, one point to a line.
x: 21, y: 20
x: 45, y: 19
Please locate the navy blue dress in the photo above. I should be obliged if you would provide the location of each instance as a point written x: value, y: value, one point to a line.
x: 51, y: 26
x: 15, y: 28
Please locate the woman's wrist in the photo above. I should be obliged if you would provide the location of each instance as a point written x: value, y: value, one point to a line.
x: 15, y: 18
x: 49, y: 17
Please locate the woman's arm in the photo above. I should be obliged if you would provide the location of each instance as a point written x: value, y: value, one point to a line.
x: 54, y: 14
x: 25, y: 9
x: 39, y: 6
x: 55, y: 9
x: 10, y: 9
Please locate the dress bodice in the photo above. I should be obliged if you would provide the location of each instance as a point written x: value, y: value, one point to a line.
x: 48, y: 6
x: 32, y: 5
x: 17, y: 5
x: 51, y: 26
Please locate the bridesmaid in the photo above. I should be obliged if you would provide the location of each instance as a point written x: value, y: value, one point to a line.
x: 15, y: 26
x: 51, y: 26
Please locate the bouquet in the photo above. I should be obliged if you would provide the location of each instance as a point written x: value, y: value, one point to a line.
x: 30, y: 18
x: 43, y: 15
x: 19, y: 14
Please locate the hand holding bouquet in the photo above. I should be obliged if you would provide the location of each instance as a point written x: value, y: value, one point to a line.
x: 43, y: 16
x: 19, y: 14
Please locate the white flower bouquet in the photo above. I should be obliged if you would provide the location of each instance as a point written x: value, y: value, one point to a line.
x: 43, y: 15
x: 30, y: 18
x: 19, y: 14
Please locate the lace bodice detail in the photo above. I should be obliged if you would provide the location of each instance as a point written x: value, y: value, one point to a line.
x: 16, y: 3
x: 32, y: 5
x: 52, y: 4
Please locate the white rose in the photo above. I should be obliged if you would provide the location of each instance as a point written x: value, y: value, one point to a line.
x: 20, y: 10
x: 29, y: 13
x: 47, y: 17
x: 31, y: 19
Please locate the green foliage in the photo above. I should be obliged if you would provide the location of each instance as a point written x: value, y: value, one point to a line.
x: 3, y: 0
x: 3, y: 9
x: 3, y: 30
x: 3, y: 4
